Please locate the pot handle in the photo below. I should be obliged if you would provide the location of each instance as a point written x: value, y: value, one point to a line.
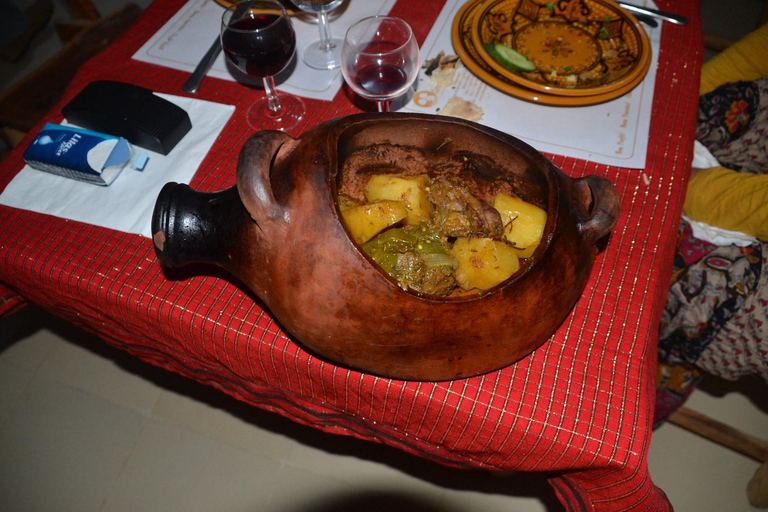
x: 253, y: 173
x: 599, y: 197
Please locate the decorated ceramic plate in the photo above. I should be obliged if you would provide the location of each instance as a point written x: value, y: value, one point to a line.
x: 461, y: 35
x: 289, y: 7
x: 565, y: 47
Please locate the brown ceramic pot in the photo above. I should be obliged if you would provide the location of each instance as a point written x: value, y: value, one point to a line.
x: 280, y: 232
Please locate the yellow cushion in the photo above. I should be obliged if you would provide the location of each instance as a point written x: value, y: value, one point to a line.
x: 729, y: 200
x: 747, y: 59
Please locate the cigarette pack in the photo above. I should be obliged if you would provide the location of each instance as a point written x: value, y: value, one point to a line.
x: 79, y: 154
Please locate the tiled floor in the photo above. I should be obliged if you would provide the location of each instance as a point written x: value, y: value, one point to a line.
x: 87, y: 428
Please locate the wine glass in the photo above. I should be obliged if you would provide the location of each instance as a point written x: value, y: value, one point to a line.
x: 324, y: 53
x: 380, y: 59
x: 258, y: 39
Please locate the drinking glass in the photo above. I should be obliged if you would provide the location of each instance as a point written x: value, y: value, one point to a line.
x: 324, y: 53
x: 258, y: 38
x: 380, y: 59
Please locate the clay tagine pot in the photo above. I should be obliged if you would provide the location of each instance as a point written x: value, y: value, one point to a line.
x: 280, y: 232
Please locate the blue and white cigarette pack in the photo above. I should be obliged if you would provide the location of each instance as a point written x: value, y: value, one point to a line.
x: 79, y: 154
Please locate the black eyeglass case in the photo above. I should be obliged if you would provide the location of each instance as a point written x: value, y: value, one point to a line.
x: 129, y: 111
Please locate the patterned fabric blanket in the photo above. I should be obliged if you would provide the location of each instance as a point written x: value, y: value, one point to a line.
x: 716, y: 317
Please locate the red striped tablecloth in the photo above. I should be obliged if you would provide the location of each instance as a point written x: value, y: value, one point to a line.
x: 580, y: 407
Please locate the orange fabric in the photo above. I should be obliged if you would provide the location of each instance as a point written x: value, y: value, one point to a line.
x: 747, y: 59
x: 730, y: 200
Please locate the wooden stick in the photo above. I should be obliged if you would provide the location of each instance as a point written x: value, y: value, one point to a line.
x: 720, y: 433
x: 717, y: 43
x: 764, y: 15
x: 757, y: 488
x: 84, y: 9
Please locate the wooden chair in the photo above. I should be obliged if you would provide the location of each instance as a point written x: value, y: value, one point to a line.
x: 23, y: 105
x: 729, y: 437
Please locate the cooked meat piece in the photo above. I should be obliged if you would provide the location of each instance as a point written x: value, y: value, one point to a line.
x: 413, y: 273
x: 436, y: 281
x: 409, y: 267
x: 459, y: 213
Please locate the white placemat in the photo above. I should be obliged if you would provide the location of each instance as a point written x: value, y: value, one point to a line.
x: 182, y: 42
x: 613, y: 133
x: 127, y: 204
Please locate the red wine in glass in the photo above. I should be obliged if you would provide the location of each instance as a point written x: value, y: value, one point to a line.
x: 257, y: 37
x: 381, y: 80
x: 260, y: 54
x: 380, y: 59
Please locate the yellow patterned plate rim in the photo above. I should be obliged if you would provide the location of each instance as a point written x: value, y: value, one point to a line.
x: 289, y: 7
x: 555, y: 34
x: 465, y: 51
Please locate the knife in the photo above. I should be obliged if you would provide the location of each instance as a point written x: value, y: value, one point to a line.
x: 648, y: 20
x: 666, y: 16
x: 193, y: 82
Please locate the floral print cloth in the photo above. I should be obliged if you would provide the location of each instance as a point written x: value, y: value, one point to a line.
x: 716, y: 317
x: 733, y: 120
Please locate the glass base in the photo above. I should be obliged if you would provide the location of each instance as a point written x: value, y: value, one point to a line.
x: 290, y: 114
x: 319, y: 57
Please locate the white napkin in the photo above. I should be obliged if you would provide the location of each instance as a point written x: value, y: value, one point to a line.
x: 185, y: 38
x: 703, y: 159
x: 719, y: 236
x: 612, y: 133
x: 127, y: 204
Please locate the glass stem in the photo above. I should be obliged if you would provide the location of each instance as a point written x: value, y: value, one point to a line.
x: 325, y: 32
x: 272, y: 100
x: 383, y: 106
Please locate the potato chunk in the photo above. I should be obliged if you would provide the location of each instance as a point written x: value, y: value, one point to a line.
x: 346, y: 202
x: 367, y: 220
x: 483, y: 262
x: 523, y: 223
x: 409, y: 190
